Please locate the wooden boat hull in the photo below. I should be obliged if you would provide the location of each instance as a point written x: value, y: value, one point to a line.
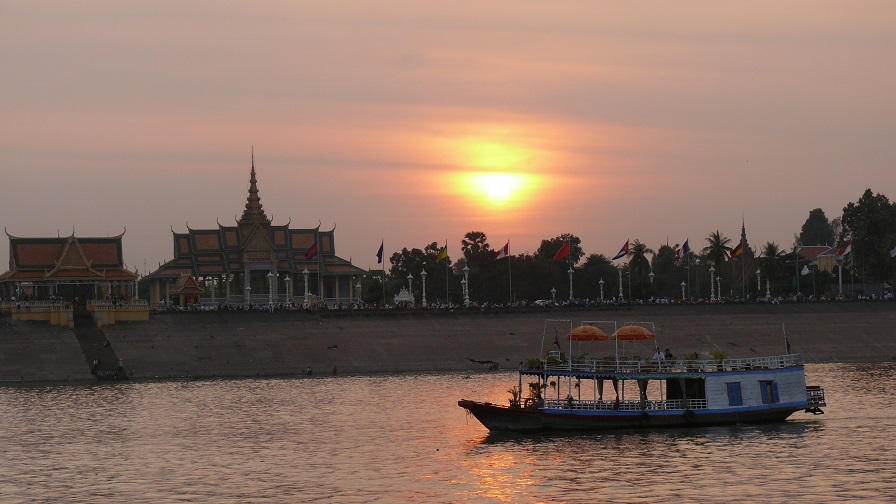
x: 507, y: 419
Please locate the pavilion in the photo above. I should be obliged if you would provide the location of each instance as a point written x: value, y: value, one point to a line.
x: 255, y: 262
x: 50, y: 278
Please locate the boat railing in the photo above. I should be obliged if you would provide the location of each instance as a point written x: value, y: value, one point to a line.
x: 627, y: 405
x: 637, y: 365
x: 815, y: 396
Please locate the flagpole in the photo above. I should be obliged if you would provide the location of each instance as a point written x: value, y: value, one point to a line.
x: 447, y: 277
x: 509, y: 274
x: 382, y: 246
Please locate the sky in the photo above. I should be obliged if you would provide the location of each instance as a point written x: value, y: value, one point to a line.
x: 416, y: 122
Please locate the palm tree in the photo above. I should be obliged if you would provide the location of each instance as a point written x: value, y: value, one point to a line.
x: 772, y: 261
x: 638, y: 261
x: 718, y: 250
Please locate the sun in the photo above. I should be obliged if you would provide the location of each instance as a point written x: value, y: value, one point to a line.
x: 498, y: 189
x: 499, y: 173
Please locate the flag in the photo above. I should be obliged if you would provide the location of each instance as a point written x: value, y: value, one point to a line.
x: 379, y: 254
x: 844, y: 251
x: 683, y: 251
x: 622, y: 252
x: 504, y: 252
x: 563, y: 252
x: 443, y: 254
x: 311, y: 252
x: 738, y: 250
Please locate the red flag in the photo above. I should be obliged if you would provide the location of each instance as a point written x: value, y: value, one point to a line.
x: 844, y: 251
x: 563, y: 252
x: 503, y: 252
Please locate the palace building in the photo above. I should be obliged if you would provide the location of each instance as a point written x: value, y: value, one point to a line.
x: 51, y: 278
x: 255, y: 262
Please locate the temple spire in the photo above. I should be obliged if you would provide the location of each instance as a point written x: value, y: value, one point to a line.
x: 254, y: 213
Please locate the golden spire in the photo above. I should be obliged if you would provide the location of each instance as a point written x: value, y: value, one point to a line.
x: 254, y: 213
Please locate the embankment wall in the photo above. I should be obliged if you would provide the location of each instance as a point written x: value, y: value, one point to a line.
x: 208, y: 344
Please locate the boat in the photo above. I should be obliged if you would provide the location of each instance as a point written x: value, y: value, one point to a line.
x: 584, y: 393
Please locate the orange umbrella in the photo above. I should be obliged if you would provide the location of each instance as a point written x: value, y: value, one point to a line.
x: 587, y: 333
x: 631, y: 333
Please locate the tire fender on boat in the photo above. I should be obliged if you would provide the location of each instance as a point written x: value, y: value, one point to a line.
x: 690, y: 416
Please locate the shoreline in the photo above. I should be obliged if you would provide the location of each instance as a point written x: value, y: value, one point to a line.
x: 250, y: 344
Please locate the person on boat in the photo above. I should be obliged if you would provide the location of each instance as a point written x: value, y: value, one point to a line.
x: 668, y: 355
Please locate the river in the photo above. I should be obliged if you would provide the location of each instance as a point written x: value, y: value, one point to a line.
x: 402, y: 438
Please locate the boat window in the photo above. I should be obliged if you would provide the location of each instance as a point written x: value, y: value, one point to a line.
x: 734, y: 396
x: 769, y: 390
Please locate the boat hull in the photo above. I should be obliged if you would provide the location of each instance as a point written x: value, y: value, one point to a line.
x: 513, y: 419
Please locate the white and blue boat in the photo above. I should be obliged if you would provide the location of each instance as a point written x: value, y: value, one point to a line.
x: 568, y: 393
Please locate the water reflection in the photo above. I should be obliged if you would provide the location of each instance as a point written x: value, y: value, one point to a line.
x: 402, y: 438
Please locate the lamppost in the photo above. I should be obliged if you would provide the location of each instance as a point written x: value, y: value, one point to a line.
x: 620, y: 281
x: 423, y: 276
x: 463, y: 290
x: 719, y: 290
x: 601, y: 288
x: 288, y: 289
x: 758, y: 282
x: 305, y: 274
x: 806, y: 271
x: 553, y: 295
x: 683, y: 285
x: 410, y: 280
x: 271, y: 290
x: 651, y: 275
x: 712, y: 283
x: 467, y: 286
x: 248, y: 294
x: 570, y: 272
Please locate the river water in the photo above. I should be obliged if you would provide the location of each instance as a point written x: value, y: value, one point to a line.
x: 402, y: 438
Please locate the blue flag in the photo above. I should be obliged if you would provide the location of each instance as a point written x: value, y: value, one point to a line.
x: 379, y: 254
x: 311, y: 252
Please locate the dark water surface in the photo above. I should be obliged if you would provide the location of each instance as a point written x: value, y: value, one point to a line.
x: 402, y: 438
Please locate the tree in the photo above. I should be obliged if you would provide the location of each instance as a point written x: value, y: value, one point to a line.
x: 718, y: 250
x: 817, y: 230
x: 871, y: 223
x: 772, y: 263
x: 638, y: 262
x: 550, y: 247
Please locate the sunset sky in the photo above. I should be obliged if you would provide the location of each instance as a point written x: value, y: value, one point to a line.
x: 416, y: 122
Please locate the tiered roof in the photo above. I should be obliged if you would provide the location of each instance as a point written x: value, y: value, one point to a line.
x: 66, y: 259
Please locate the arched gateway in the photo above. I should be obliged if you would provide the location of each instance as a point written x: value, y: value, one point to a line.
x: 255, y: 262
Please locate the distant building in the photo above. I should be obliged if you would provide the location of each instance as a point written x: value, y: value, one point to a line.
x: 66, y: 268
x: 255, y: 261
x: 52, y: 279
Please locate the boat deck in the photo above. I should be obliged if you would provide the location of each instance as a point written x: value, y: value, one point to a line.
x: 675, y: 367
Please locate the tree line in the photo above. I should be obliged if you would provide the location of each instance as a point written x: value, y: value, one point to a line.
x: 715, y: 267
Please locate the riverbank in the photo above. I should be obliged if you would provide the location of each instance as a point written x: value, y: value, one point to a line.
x: 215, y: 344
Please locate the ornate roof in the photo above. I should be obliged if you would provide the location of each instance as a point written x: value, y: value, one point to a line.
x: 69, y: 258
x: 209, y: 252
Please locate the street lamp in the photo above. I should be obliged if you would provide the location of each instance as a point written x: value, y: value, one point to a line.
x: 570, y: 272
x: 601, y: 288
x: 553, y: 295
x: 423, y: 276
x: 719, y: 290
x: 410, y: 279
x: 620, y: 281
x: 683, y: 285
x: 463, y: 290
x: 651, y: 275
x: 248, y: 294
x: 288, y: 288
x: 271, y: 290
x: 305, y: 274
x: 758, y: 282
x: 467, y: 286
x: 712, y: 283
